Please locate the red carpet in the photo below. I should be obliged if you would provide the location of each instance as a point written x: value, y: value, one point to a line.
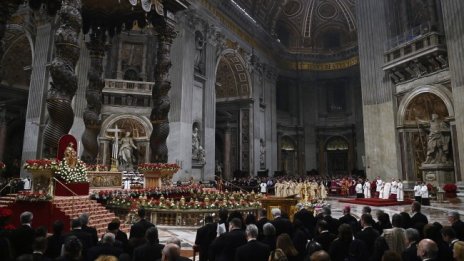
x: 377, y: 202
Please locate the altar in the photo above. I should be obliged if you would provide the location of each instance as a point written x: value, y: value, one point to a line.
x: 286, y: 205
x: 99, y: 179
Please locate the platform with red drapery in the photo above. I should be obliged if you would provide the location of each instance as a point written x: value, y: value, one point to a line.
x: 81, y: 189
x: 377, y: 202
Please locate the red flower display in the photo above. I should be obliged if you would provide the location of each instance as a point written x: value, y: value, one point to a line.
x: 2, y: 166
x: 450, y: 188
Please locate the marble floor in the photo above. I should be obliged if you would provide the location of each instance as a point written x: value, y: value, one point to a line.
x: 437, y: 212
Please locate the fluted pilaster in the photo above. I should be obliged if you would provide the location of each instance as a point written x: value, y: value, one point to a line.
x: 64, y: 86
x: 453, y: 20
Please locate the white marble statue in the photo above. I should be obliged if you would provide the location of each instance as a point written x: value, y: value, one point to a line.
x: 437, y: 141
x: 126, y: 151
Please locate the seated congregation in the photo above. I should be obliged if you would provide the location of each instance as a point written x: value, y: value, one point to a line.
x: 233, y: 237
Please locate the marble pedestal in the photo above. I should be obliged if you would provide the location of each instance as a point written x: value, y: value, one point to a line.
x: 438, y: 174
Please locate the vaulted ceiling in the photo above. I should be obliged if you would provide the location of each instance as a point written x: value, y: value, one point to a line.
x: 315, y: 25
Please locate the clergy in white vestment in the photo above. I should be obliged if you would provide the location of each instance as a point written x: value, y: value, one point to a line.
x: 425, y: 195
x: 263, y: 187
x: 367, y: 189
x: 359, y: 190
x: 386, y: 190
x: 323, y: 192
x: 400, y: 191
x: 417, y: 192
x: 379, y: 187
x: 394, y: 189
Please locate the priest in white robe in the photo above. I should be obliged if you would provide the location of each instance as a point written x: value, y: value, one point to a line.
x: 386, y: 190
x: 394, y: 189
x: 379, y: 186
x: 359, y: 190
x: 425, y: 195
x: 367, y: 189
x: 417, y: 192
x: 400, y: 191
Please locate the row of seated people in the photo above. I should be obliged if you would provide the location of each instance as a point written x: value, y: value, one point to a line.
x: 82, y: 243
x: 406, y: 237
x: 234, y: 237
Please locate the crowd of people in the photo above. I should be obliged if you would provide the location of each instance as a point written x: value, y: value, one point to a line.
x: 82, y: 243
x: 404, y: 237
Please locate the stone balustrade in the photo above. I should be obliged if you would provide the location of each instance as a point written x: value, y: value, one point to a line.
x: 115, y: 85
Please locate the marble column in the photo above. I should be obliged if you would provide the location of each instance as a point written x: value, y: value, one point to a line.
x: 35, y: 113
x: 79, y: 101
x: 209, y: 112
x: 93, y: 94
x: 3, y: 130
x: 453, y: 20
x: 227, y: 148
x: 161, y: 101
x: 62, y: 71
x: 378, y: 107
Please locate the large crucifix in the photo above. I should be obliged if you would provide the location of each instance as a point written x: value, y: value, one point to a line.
x: 115, y: 148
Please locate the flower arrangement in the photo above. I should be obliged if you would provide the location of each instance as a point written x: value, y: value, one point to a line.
x: 450, y: 188
x: 315, y: 205
x: 5, y: 215
x: 40, y: 164
x: 200, y: 200
x: 33, y: 196
x: 158, y: 167
x: 68, y: 174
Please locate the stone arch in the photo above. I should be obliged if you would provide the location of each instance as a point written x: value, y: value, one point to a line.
x: 337, y: 143
x: 139, y: 121
x: 18, y: 54
x: 232, y: 77
x: 439, y: 91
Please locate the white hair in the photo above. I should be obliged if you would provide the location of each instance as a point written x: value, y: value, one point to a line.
x: 276, y: 212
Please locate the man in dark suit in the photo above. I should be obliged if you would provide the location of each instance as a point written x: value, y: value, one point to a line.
x: 84, y: 218
x: 456, y: 224
x: 253, y: 250
x: 368, y: 234
x: 137, y: 231
x: 84, y: 237
x: 177, y: 242
x: 281, y: 224
x: 449, y: 236
x: 223, y: 248
x: 152, y: 249
x: 120, y: 237
x: 23, y: 237
x: 39, y: 246
x: 261, y: 221
x: 418, y: 220
x: 427, y: 250
x: 105, y: 248
x: 324, y: 237
x: 410, y: 253
x: 205, y: 236
x: 332, y: 223
x: 347, y: 218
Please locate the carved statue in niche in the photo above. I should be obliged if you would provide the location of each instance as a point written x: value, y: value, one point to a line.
x: 126, y: 152
x: 438, y: 141
x: 262, y: 154
x: 198, y: 153
x: 199, y: 46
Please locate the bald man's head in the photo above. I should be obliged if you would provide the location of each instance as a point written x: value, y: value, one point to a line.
x: 427, y: 249
x: 170, y: 252
x: 320, y: 255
